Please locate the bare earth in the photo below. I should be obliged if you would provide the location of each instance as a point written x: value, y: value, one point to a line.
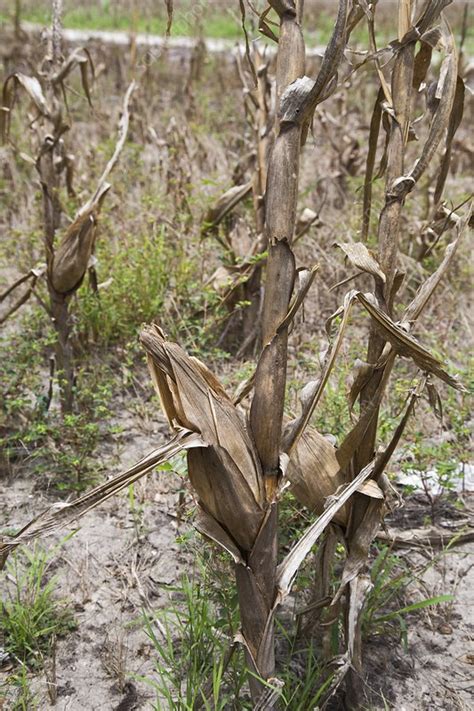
x: 117, y: 565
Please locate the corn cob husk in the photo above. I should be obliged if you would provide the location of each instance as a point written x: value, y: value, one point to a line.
x: 72, y: 256
x: 315, y: 473
x: 226, y: 474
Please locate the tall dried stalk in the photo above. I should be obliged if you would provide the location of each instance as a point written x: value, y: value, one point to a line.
x: 237, y: 465
x: 403, y: 79
x: 66, y: 262
x: 297, y: 97
x: 387, y: 339
x: 388, y: 237
x: 259, y: 576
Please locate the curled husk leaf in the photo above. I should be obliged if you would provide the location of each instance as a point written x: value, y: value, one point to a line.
x: 75, y: 249
x: 314, y: 473
x: 226, y: 474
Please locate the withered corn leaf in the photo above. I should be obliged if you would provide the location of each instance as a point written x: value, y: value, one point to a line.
x: 314, y: 472
x: 226, y: 474
x: 63, y: 514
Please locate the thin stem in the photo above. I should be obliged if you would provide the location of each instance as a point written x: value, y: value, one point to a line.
x: 56, y: 32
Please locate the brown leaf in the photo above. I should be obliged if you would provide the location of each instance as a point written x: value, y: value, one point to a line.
x: 247, y: 43
x: 363, y: 258
x: 445, y: 95
x: 332, y: 58
x: 371, y: 489
x: 225, y: 204
x: 314, y: 473
x: 304, y: 281
x: 297, y: 427
x: 405, y: 344
x: 211, y: 529
x: 283, y: 7
x: 35, y: 92
x: 102, y: 185
x: 454, y: 121
x: 370, y: 163
x: 287, y: 570
x: 31, y: 277
x: 64, y: 514
x: 78, y: 58
x: 422, y: 63
x: 362, y: 535
x: 360, y: 588
x: 360, y: 543
x: 226, y: 474
x: 434, y: 400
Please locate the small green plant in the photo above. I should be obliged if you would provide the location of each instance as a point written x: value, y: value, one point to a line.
x: 126, y: 298
x: 172, y: 291
x: 305, y: 678
x: 17, y: 691
x: 60, y: 449
x: 22, y: 390
x: 31, y: 616
x: 195, y: 666
x: 387, y: 608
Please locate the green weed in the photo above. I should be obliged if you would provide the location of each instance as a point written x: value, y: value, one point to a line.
x: 191, y: 646
x: 31, y: 616
x: 60, y: 449
x: 197, y: 666
x: 16, y: 691
x: 386, y: 609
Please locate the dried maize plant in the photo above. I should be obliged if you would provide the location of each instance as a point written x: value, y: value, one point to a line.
x: 67, y: 250
x: 241, y: 462
x: 389, y: 337
x: 235, y: 463
x: 239, y: 281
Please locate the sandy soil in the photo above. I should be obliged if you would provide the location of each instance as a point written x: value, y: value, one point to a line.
x: 436, y: 671
x: 118, y: 564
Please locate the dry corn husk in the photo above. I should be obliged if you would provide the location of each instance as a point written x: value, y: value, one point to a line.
x: 226, y: 474
x: 72, y: 256
x: 315, y: 474
x: 74, y: 252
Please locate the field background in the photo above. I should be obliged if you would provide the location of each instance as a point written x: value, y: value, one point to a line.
x: 187, y: 138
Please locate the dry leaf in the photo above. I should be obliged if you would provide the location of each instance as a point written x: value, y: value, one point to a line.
x: 315, y: 474
x: 64, y: 514
x: 226, y: 474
